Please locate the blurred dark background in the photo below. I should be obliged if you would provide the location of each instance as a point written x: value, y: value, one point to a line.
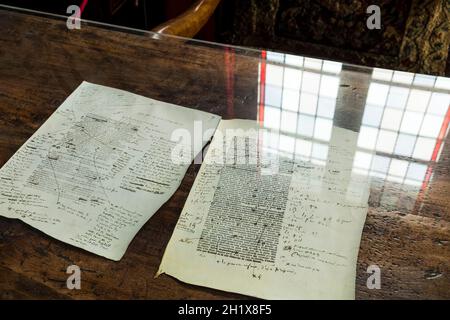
x: 414, y: 34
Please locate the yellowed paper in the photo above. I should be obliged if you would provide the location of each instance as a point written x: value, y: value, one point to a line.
x: 99, y: 168
x: 283, y: 228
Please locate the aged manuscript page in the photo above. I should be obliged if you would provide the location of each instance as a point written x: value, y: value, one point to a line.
x: 99, y: 168
x: 278, y: 227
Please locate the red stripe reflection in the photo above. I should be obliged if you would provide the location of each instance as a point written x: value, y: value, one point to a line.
x: 434, y: 156
x: 262, y: 86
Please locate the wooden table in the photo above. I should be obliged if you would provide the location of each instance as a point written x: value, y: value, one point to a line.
x: 407, y: 231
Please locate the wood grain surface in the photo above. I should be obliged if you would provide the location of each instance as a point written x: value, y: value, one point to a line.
x: 42, y: 62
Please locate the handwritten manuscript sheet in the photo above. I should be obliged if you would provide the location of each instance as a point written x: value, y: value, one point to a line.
x: 98, y: 168
x: 280, y: 228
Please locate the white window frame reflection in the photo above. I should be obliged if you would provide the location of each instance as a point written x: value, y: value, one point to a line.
x: 411, y: 109
x: 300, y: 99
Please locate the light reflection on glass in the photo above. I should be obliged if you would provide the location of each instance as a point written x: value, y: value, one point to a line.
x: 404, y: 123
x: 299, y: 100
x: 405, y: 115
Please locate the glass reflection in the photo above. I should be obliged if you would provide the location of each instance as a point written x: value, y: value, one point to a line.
x: 403, y: 126
x: 406, y: 116
x: 297, y: 96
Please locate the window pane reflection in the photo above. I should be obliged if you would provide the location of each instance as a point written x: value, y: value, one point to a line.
x: 402, y: 126
x: 405, y: 121
x: 300, y: 100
